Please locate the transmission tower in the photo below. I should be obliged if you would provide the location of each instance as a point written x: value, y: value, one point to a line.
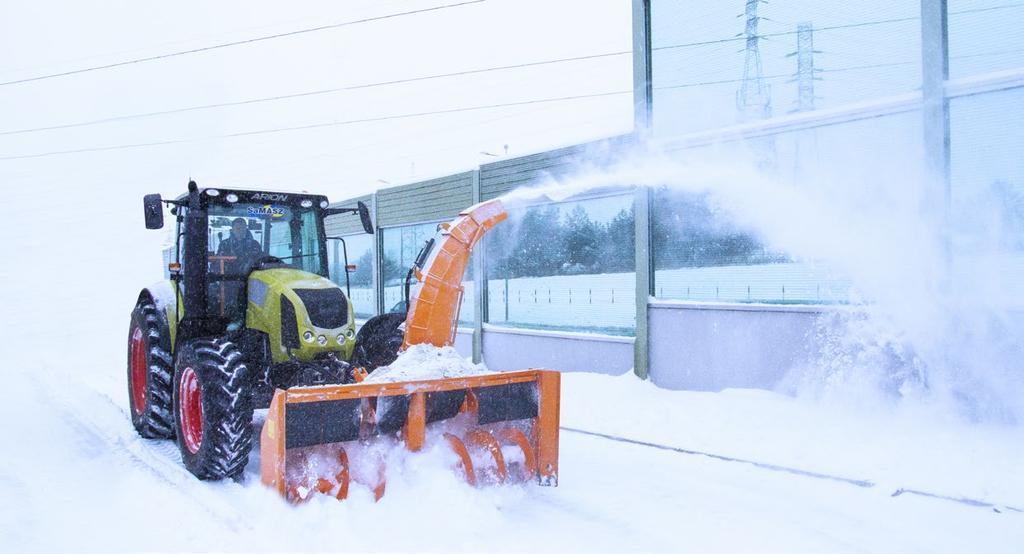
x: 806, y: 73
x: 753, y: 100
x: 805, y: 153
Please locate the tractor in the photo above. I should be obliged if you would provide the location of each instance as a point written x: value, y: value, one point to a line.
x: 249, y: 319
x: 249, y: 308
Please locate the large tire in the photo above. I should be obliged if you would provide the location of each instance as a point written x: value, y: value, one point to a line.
x: 212, y: 408
x: 378, y: 341
x: 149, y: 372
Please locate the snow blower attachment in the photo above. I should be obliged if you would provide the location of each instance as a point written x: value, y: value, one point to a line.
x: 501, y: 427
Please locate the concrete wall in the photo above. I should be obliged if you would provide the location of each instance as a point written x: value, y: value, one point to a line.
x: 714, y: 346
x: 694, y: 345
x: 464, y: 341
x: 509, y: 349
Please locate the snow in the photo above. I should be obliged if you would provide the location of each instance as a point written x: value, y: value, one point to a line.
x: 163, y: 294
x: 93, y: 485
x: 425, y: 361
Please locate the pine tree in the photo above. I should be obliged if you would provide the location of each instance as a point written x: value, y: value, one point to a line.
x: 619, y: 245
x: 582, y: 242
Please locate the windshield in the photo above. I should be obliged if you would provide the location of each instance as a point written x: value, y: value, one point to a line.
x: 241, y: 234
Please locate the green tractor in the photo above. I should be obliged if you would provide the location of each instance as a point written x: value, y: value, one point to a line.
x: 248, y: 308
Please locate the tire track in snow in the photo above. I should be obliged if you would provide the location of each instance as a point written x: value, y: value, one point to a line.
x: 158, y: 458
x: 862, y: 483
x: 771, y: 467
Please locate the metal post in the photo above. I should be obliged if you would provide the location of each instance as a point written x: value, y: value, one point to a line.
x: 479, y: 285
x: 377, y: 279
x: 935, y: 115
x: 642, y: 91
x: 644, y: 278
x: 333, y: 269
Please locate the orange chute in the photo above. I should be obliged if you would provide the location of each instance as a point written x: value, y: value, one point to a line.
x: 435, y: 300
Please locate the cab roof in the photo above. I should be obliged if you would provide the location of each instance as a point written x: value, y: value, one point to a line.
x: 218, y: 195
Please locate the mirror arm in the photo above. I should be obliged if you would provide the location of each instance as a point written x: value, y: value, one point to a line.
x: 336, y: 211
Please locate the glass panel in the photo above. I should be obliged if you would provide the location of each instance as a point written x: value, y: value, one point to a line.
x: 703, y: 253
x: 240, y: 234
x: 360, y: 254
x: 987, y: 166
x: 985, y: 36
x: 401, y: 245
x: 565, y: 266
x: 803, y: 55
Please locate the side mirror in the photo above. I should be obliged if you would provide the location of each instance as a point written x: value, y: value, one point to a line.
x: 364, y: 216
x: 153, y: 210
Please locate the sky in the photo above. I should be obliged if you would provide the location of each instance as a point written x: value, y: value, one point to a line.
x: 339, y: 159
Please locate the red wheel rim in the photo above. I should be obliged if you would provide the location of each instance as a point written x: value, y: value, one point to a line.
x: 138, y: 362
x: 191, y: 407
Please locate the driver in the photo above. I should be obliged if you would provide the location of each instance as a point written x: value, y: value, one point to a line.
x: 240, y: 244
x: 245, y: 250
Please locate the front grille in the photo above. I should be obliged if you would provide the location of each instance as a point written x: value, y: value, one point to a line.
x: 327, y: 308
x: 289, y: 325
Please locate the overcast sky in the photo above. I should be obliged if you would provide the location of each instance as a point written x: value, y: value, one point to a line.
x: 341, y: 160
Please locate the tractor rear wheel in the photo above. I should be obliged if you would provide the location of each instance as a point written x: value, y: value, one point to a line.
x: 149, y: 372
x: 213, y: 408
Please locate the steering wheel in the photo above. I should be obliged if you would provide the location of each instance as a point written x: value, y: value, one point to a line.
x: 267, y: 260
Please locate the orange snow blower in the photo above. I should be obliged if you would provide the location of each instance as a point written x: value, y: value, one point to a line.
x: 501, y: 427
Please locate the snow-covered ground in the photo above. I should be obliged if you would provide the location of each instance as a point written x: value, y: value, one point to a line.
x: 641, y: 469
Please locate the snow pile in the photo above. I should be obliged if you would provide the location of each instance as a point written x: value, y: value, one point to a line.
x: 425, y: 361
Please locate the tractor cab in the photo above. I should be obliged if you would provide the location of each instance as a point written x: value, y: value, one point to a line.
x: 246, y: 235
x: 223, y: 236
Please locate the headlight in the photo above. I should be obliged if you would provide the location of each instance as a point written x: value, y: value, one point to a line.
x: 341, y: 338
x: 324, y: 204
x: 306, y: 203
x: 321, y: 340
x: 213, y: 192
x: 231, y: 197
x: 350, y: 333
x: 307, y: 336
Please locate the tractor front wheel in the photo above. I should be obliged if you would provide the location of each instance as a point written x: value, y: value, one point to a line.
x: 149, y: 372
x: 213, y: 408
x: 378, y: 341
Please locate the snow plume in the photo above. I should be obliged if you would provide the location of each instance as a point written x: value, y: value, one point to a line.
x: 936, y: 314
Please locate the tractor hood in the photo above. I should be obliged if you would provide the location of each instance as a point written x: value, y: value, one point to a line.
x: 303, y: 314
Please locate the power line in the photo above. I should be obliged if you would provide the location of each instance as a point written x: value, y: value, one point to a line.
x: 317, y: 125
x: 435, y: 76
x: 441, y: 76
x: 786, y: 33
x: 831, y: 27
x: 839, y: 69
x: 237, y: 43
x: 312, y: 93
x: 433, y: 133
x: 786, y: 75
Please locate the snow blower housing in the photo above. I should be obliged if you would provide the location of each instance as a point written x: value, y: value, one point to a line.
x: 249, y: 319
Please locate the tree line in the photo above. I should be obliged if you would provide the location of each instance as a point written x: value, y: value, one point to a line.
x: 686, y: 231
